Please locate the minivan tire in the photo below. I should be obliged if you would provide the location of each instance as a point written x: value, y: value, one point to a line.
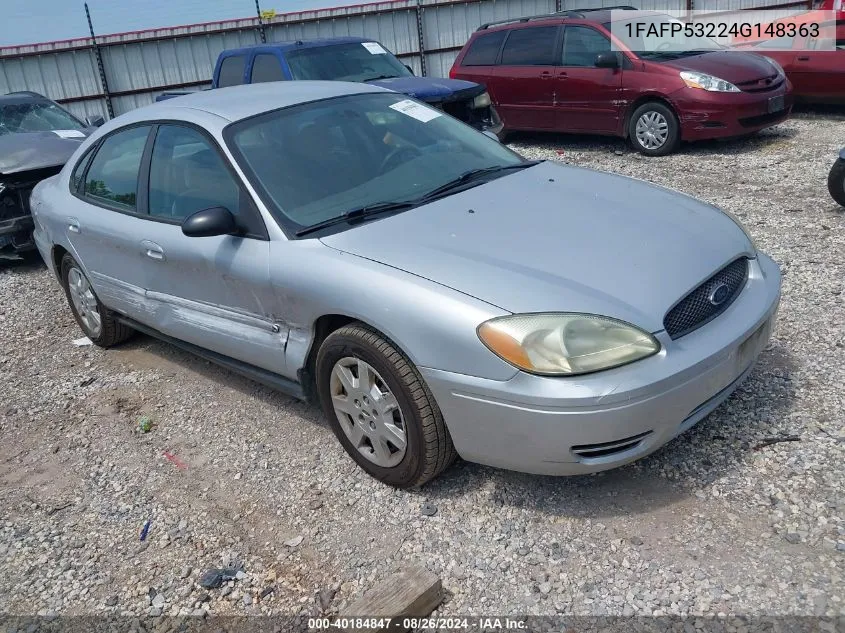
x: 665, y: 121
x: 836, y: 181
x: 428, y: 447
x: 111, y: 331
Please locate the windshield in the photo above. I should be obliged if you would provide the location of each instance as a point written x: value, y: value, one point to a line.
x: 36, y: 117
x: 316, y: 161
x: 357, y: 61
x: 660, y: 37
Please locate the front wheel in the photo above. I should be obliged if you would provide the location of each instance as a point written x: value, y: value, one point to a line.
x: 380, y: 409
x: 654, y: 129
x: 836, y: 181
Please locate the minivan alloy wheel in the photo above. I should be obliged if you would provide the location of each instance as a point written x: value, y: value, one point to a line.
x: 368, y: 412
x: 84, y: 301
x: 652, y: 130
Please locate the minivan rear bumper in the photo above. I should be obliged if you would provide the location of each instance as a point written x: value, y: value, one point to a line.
x: 707, y: 115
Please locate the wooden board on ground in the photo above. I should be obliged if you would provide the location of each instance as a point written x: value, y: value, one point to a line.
x: 413, y: 592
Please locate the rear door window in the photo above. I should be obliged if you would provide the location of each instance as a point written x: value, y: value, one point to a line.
x: 484, y: 50
x: 266, y: 67
x: 231, y: 71
x: 581, y: 46
x: 112, y: 178
x: 534, y: 46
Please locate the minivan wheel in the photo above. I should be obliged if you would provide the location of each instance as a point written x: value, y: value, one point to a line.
x: 97, y: 322
x: 653, y: 129
x: 836, y: 181
x: 380, y: 409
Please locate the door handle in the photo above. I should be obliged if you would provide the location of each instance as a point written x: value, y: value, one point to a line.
x: 562, y: 75
x: 73, y: 225
x: 803, y: 58
x: 545, y: 75
x: 152, y: 250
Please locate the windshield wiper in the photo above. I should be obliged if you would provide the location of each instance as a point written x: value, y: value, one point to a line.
x: 469, y: 176
x: 377, y: 77
x: 358, y: 214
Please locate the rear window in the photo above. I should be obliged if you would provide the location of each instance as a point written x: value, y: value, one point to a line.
x: 531, y: 47
x: 484, y: 50
x: 231, y: 71
x: 266, y: 67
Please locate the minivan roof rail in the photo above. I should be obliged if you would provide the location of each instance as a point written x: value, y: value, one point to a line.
x: 569, y: 13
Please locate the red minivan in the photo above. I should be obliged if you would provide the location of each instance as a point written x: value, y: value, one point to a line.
x: 578, y: 72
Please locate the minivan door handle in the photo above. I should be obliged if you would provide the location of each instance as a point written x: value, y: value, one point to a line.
x: 545, y: 75
x: 803, y: 58
x: 152, y: 250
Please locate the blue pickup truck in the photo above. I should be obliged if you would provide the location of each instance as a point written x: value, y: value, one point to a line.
x: 351, y: 59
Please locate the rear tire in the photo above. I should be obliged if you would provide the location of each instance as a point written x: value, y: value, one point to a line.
x: 836, y: 181
x: 96, y: 321
x: 654, y: 130
x: 380, y: 408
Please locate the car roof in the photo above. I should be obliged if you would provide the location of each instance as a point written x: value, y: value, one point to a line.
x: 240, y: 102
x: 23, y: 97
x: 296, y: 44
x: 598, y: 16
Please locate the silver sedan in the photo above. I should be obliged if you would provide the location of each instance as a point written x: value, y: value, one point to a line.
x: 437, y: 294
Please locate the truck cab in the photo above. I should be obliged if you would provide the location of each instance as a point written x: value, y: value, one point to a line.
x: 353, y: 59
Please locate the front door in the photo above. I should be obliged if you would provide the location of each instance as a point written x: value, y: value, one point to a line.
x: 523, y: 83
x: 213, y: 292
x: 587, y: 98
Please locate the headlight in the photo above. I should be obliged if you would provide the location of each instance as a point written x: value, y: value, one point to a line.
x: 481, y: 101
x: 561, y: 344
x: 707, y: 82
x: 777, y: 66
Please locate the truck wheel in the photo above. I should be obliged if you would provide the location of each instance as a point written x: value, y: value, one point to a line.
x: 97, y: 321
x: 380, y: 409
x: 836, y: 181
x: 654, y: 129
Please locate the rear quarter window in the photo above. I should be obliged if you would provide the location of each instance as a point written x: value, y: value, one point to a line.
x: 231, y: 71
x: 484, y: 50
x: 266, y: 67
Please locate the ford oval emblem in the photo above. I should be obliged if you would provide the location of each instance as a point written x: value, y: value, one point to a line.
x: 719, y: 294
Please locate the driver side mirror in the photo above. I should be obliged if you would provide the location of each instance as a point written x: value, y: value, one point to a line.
x: 410, y: 70
x: 210, y: 222
x: 607, y: 60
x: 94, y: 121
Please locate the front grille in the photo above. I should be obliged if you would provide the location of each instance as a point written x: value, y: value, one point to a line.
x: 701, y: 306
x: 772, y: 82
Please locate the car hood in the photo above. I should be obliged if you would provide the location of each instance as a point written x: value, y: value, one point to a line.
x: 431, y: 90
x: 35, y: 150
x: 733, y: 66
x: 559, y: 238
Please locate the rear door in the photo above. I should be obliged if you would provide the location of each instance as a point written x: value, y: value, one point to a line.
x: 524, y: 81
x: 588, y: 98
x: 215, y: 291
x: 104, y: 219
x: 819, y: 74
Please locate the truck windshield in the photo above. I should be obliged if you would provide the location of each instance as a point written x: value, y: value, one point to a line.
x: 317, y: 161
x: 37, y: 116
x: 355, y: 61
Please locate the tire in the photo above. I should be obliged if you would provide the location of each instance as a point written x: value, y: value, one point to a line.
x: 659, y: 119
x: 836, y: 181
x: 360, y: 427
x: 89, y: 312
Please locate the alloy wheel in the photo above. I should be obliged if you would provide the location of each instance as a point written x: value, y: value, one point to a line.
x: 368, y: 412
x: 652, y: 130
x: 84, y: 301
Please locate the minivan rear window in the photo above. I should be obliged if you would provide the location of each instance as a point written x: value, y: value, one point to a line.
x: 231, y: 71
x: 484, y: 50
x: 531, y: 47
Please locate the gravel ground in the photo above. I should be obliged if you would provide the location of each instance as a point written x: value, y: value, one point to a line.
x: 231, y: 472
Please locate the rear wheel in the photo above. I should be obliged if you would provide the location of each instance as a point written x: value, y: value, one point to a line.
x: 836, y: 181
x: 97, y: 322
x: 380, y: 409
x: 653, y: 129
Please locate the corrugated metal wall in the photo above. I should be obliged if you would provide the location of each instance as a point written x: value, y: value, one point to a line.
x: 139, y: 66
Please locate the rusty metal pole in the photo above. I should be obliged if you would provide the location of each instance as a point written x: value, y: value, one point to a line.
x: 98, y: 55
x: 421, y: 37
x: 261, y: 33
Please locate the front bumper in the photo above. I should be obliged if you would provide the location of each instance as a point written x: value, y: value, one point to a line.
x: 584, y: 424
x: 707, y: 115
